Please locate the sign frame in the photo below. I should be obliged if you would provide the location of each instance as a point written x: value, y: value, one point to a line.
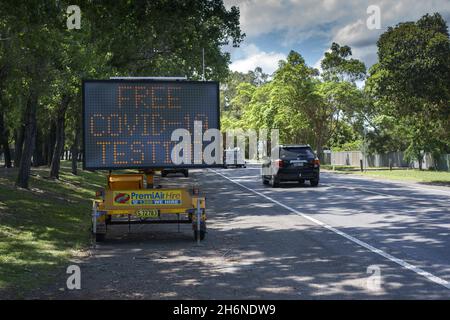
x: 138, y: 81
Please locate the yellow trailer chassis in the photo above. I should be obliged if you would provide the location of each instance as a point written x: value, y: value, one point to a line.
x: 132, y: 199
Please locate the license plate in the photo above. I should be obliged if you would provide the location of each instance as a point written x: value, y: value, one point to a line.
x: 298, y: 164
x: 150, y: 213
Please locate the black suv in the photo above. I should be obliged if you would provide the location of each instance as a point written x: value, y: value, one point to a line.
x: 291, y: 163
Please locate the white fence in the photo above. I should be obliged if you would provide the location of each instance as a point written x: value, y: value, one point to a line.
x: 394, y: 159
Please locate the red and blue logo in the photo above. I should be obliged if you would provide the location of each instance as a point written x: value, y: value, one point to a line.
x: 122, y: 198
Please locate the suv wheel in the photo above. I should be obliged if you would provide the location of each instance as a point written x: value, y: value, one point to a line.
x: 314, y: 183
x: 274, y: 183
x: 264, y: 180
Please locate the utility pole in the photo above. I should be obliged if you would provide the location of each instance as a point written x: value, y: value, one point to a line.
x: 203, y: 64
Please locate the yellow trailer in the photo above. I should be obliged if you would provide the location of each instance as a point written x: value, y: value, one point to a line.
x: 148, y: 124
x: 132, y: 199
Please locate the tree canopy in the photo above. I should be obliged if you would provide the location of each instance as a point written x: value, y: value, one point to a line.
x: 42, y: 62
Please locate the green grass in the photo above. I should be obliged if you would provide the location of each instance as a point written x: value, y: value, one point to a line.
x: 338, y: 168
x: 43, y: 227
x: 414, y: 175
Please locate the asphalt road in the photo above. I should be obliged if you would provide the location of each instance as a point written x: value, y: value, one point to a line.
x: 293, y: 242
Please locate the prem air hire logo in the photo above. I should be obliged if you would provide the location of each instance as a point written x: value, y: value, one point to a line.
x: 148, y: 197
x: 122, y: 198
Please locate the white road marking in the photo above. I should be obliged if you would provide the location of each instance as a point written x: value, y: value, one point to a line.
x: 398, y: 261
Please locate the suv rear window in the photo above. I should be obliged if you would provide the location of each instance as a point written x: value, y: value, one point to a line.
x: 294, y: 152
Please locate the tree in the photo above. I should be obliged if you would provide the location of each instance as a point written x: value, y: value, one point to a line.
x: 236, y: 95
x: 305, y: 98
x: 338, y: 66
x: 410, y: 82
x: 296, y: 101
x: 43, y: 62
x: 166, y: 38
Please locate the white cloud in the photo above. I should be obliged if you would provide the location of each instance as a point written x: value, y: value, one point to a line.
x: 254, y: 57
x: 356, y: 34
x: 342, y: 21
x: 259, y: 17
x: 317, y: 64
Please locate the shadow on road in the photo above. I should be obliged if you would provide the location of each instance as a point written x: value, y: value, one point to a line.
x: 258, y: 250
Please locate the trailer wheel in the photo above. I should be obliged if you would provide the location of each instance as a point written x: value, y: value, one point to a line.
x: 100, y: 237
x: 202, y: 235
x: 202, y: 230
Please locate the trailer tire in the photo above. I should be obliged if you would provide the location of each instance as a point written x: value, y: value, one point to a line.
x: 202, y: 231
x: 100, y: 237
x: 202, y: 235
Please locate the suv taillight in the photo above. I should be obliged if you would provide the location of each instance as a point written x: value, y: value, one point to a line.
x: 279, y: 163
x: 316, y: 163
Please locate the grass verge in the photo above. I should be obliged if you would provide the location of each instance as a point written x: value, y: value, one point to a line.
x: 414, y: 175
x: 43, y: 227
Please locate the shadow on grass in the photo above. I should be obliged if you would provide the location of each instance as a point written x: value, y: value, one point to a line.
x: 442, y: 183
x: 40, y: 228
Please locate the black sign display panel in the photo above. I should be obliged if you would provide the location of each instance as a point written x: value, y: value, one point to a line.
x: 128, y: 124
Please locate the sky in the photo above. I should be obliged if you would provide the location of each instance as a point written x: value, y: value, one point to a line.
x: 274, y: 27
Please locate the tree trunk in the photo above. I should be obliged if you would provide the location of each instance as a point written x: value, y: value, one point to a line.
x: 28, y: 141
x: 45, y: 150
x: 59, y: 147
x: 4, y: 133
x: 51, y: 143
x: 420, y: 159
x: 7, y: 154
x: 74, y: 151
x: 18, y: 145
x: 319, y: 147
x: 4, y: 141
x: 38, y: 156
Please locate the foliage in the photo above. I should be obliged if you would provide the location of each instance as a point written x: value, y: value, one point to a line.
x: 42, y: 63
x: 410, y: 83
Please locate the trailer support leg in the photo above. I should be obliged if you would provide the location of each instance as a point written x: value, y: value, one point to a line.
x: 199, y: 216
